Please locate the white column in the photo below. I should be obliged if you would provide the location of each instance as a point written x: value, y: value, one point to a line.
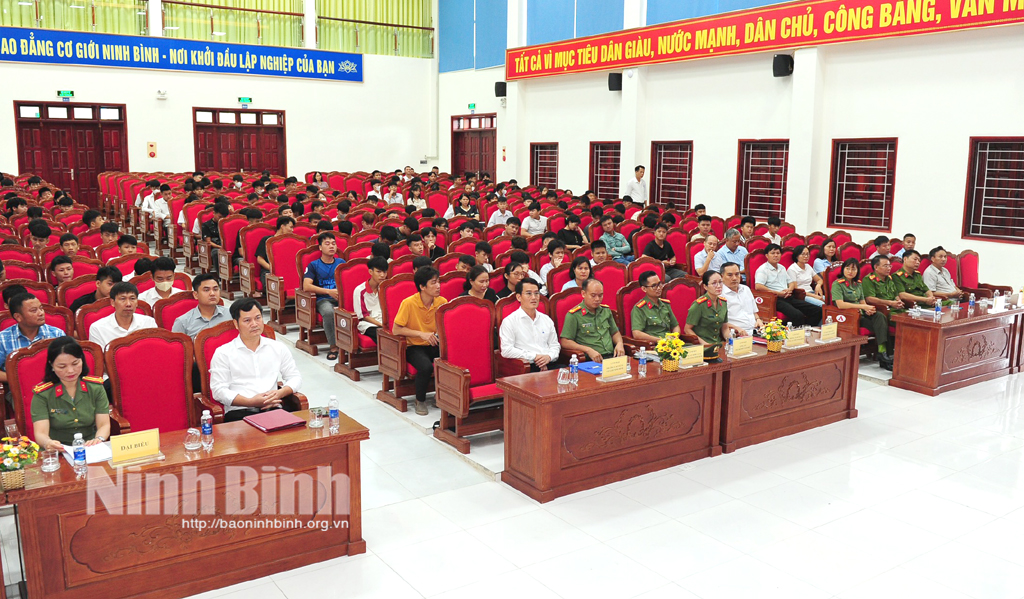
x: 806, y: 188
x: 309, y: 23
x: 513, y: 158
x: 633, y: 149
x: 432, y: 148
x: 154, y: 17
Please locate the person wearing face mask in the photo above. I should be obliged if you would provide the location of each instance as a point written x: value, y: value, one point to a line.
x: 163, y: 279
x: 106, y: 277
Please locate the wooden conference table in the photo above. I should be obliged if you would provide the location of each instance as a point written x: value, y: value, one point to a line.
x: 70, y: 553
x: 960, y: 349
x: 561, y: 439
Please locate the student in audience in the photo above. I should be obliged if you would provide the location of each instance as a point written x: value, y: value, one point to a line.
x: 774, y: 224
x: 546, y: 238
x: 772, y: 277
x: 208, y: 313
x: 16, y: 207
x: 416, y: 321
x: 652, y: 316
x: 528, y: 334
x: 365, y: 300
x: 416, y: 198
x: 477, y: 285
x: 534, y: 224
x: 127, y: 245
x: 616, y: 244
x: 244, y: 372
x: 466, y: 207
x: 661, y: 250
x: 416, y: 245
x: 882, y: 246
x: 40, y: 233
x: 143, y: 266
x: 69, y: 244
x: 747, y: 224
x: 284, y: 226
x: 106, y: 277
x: 502, y: 214
x: 828, y: 256
x: 30, y: 319
x: 210, y: 230
x: 520, y: 255
x: 847, y: 293
x: 375, y: 191
x: 580, y: 269
x: 937, y: 278
x: 801, y: 273
x: 515, y: 271
x: 708, y: 317
x: 465, y: 263
x: 703, y: 228
x: 599, y: 252
x: 909, y: 242
x: 393, y: 196
x: 431, y: 249
x: 65, y: 203
x: 93, y: 219
x: 911, y: 284
x: 482, y: 255
x: 709, y: 258
x: 345, y: 227
x: 556, y: 253
x: 699, y: 210
x: 162, y: 270
x: 69, y: 401
x: 740, y: 300
x: 571, y: 235
x: 125, y: 298
x: 408, y: 227
x: 590, y: 327
x: 109, y: 232
x: 319, y: 278
x: 512, y: 226
x: 62, y: 269
x: 285, y: 210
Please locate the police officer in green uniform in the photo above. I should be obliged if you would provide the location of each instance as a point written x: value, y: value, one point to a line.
x: 68, y: 401
x: 589, y: 328
x: 847, y: 293
x: 652, y: 316
x: 880, y: 287
x: 708, y: 317
x: 911, y: 283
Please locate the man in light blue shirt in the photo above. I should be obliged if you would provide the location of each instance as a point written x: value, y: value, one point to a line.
x: 616, y: 244
x: 909, y: 242
x: 30, y: 327
x: 732, y: 251
x: 708, y: 258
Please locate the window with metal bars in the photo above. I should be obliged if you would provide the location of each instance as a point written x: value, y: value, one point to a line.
x: 995, y: 190
x: 761, y: 178
x: 544, y: 165
x: 604, y: 169
x: 863, y: 182
x: 671, y: 163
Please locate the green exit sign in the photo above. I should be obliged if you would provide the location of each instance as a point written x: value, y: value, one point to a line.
x: 472, y: 106
x: 65, y: 93
x: 245, y: 100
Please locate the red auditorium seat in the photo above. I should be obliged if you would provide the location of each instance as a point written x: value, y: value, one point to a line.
x: 131, y: 358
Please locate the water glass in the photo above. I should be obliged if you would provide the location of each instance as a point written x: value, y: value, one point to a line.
x: 563, y: 376
x: 193, y: 440
x: 51, y: 460
x: 316, y: 418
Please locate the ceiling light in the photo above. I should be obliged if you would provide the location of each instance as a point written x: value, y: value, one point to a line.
x: 219, y: 33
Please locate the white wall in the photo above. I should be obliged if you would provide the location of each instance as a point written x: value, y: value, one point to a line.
x: 459, y: 89
x: 379, y: 123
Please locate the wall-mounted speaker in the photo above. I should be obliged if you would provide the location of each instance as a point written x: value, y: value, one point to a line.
x: 499, y: 89
x: 782, y: 65
x: 614, y: 82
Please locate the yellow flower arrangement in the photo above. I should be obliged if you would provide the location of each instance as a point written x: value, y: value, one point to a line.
x: 19, y: 452
x: 670, y: 347
x: 774, y: 330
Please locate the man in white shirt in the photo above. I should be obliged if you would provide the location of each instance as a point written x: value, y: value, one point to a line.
x: 366, y: 302
x: 125, y: 298
x: 375, y: 191
x: 637, y: 187
x: 502, y: 214
x: 534, y: 224
x: 739, y: 298
x: 937, y: 276
x: 393, y: 196
x: 244, y: 373
x: 772, y: 277
x: 774, y: 224
x: 528, y: 334
x: 882, y: 247
x: 147, y: 193
x: 162, y: 271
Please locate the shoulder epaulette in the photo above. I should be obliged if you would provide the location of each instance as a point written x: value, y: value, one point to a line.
x: 605, y: 305
x: 574, y: 310
x: 641, y: 303
x: 42, y: 387
x: 872, y: 277
x: 666, y: 301
x: 93, y: 379
x: 702, y: 298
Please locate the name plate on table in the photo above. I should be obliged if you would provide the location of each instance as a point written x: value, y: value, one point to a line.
x: 136, y: 448
x: 828, y: 332
x: 999, y: 303
x: 742, y: 346
x: 614, y: 369
x: 694, y: 356
x: 795, y: 338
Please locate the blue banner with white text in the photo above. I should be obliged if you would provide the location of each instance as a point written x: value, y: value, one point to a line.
x: 46, y: 46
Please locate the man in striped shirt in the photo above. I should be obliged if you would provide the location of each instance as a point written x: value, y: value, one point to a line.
x: 366, y: 302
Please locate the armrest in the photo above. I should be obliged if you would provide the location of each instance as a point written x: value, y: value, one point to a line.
x: 346, y: 327
x: 118, y: 423
x: 276, y: 296
x: 765, y: 302
x: 224, y: 266
x: 799, y: 294
x: 189, y: 244
x: 451, y: 385
x: 999, y: 288
x: 247, y: 278
x: 205, y: 251
x: 295, y: 401
x: 391, y: 354
x: 305, y: 317
x: 849, y: 325
x: 565, y: 356
x: 506, y: 367
x: 203, y: 403
x: 638, y: 343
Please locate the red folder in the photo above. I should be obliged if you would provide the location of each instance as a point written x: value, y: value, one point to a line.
x: 274, y: 420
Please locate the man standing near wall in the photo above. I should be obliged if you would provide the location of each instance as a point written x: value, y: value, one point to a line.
x: 637, y: 187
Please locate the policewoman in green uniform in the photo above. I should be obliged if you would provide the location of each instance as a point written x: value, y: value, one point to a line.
x: 589, y: 328
x: 847, y: 293
x: 68, y: 401
x: 651, y: 318
x: 708, y: 317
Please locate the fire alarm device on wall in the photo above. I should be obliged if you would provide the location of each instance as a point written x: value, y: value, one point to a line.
x: 151, y: 149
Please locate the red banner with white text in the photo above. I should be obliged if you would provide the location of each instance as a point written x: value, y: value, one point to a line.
x: 782, y: 26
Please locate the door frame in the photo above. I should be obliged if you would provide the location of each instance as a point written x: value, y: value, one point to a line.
x: 457, y: 128
x: 282, y: 125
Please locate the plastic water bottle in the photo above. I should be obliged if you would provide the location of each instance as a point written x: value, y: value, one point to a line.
x: 728, y: 348
x: 629, y: 364
x: 938, y: 309
x: 970, y: 302
x: 574, y: 370
x: 334, y: 414
x: 828, y: 320
x: 641, y: 357
x: 206, y: 427
x: 78, y: 451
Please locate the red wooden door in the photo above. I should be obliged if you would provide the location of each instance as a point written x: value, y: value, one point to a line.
x: 206, y: 148
x: 488, y: 141
x: 473, y: 151
x: 31, y: 149
x: 88, y: 163
x: 271, y: 150
x: 115, y: 150
x: 61, y: 138
x: 227, y: 149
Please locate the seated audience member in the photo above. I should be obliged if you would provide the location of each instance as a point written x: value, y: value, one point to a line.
x: 909, y: 242
x: 535, y: 224
x: 158, y: 205
x: 30, y: 319
x: 708, y: 317
x: 522, y: 257
x: 125, y: 298
x: 209, y: 313
x: 142, y: 266
x: 828, y: 256
x: 482, y: 255
x: 465, y: 263
x: 616, y: 244
x: 740, y: 300
x: 733, y: 251
x: 15, y: 206
x: 109, y: 232
x: 772, y: 277
x: 882, y: 246
x: 393, y: 196
x: 210, y: 230
x: 661, y: 250
x: 40, y: 234
x: 801, y: 273
x: 910, y: 282
x: 466, y: 207
x: 366, y: 302
x: 93, y: 219
x: 106, y: 277
x: 847, y: 293
x: 62, y: 269
x: 284, y: 226
x: 478, y: 282
x: 345, y: 227
x: 937, y: 276
x: 286, y: 210
x: 528, y: 334
x: 162, y: 270
x: 408, y: 227
x: 388, y: 235
x: 69, y: 244
x: 580, y: 271
x: 774, y: 224
x: 571, y: 235
x: 880, y: 288
x: 420, y: 261
x: 599, y: 252
x: 590, y: 327
x: 546, y: 238
x: 127, y: 245
x: 502, y: 214
x: 431, y: 249
x: 416, y: 321
x: 556, y: 252
x: 708, y: 258
x: 416, y: 245
x: 515, y: 271
x: 244, y: 372
x: 69, y: 401
x: 319, y: 279
x: 703, y: 228
x: 512, y: 226
x: 747, y: 224
x: 652, y: 316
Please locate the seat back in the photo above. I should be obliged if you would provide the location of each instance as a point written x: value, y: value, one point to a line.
x: 625, y: 299
x: 43, y: 291
x: 831, y: 274
x: 166, y: 311
x: 69, y: 292
x: 229, y: 227
x: 347, y: 277
x: 392, y: 292
x: 447, y: 263
x: 471, y: 344
x: 792, y: 240
x: 968, y: 269
x: 250, y: 237
x: 16, y: 269
x: 642, y: 265
x: 753, y: 261
x: 126, y: 264
x: 640, y: 241
x: 131, y: 357
x: 865, y: 269
x: 558, y: 277
x: 561, y: 302
x: 786, y: 259
x: 612, y: 274
x: 718, y: 226
x: 18, y: 253
x: 757, y: 243
x: 953, y: 266
x: 850, y: 250
x: 281, y: 252
x: 681, y: 293
x: 842, y: 237
x: 452, y: 284
x: 402, y: 265
x: 816, y: 238
x: 464, y: 246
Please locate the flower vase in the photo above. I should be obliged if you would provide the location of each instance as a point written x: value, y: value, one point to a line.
x: 669, y: 365
x: 12, y: 479
x: 775, y: 346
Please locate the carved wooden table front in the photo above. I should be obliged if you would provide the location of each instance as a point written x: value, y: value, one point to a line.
x: 960, y: 349
x: 302, y: 483
x: 563, y: 439
x: 772, y: 395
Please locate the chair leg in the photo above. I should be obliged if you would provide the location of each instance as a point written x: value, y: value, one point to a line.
x: 451, y: 437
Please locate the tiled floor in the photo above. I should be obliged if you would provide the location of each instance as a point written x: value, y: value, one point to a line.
x: 918, y: 497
